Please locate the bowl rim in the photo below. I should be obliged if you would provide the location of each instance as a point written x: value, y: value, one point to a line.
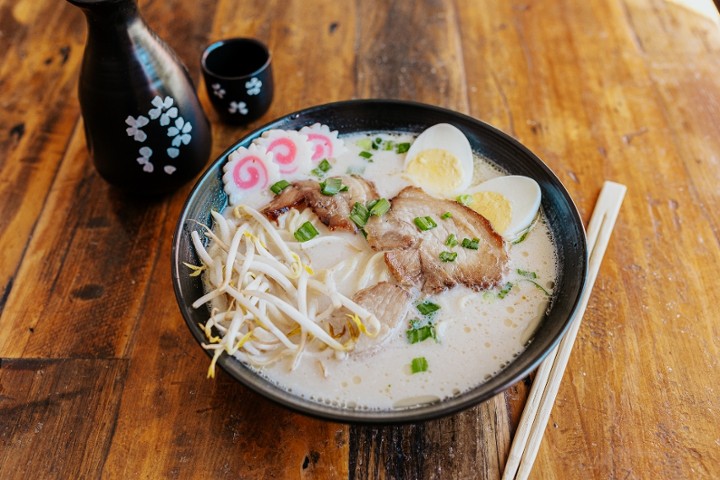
x: 497, y: 384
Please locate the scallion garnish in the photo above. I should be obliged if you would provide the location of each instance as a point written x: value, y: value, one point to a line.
x: 473, y: 244
x: 448, y: 256
x: 324, y: 165
x: 505, y: 290
x: 402, y: 147
x: 446, y: 215
x: 423, y: 328
x: 379, y: 207
x: 419, y: 364
x: 526, y: 273
x: 278, y: 187
x: 416, y: 335
x: 522, y: 238
x: 531, y: 277
x: 322, y: 168
x: 332, y: 186
x: 306, y: 232
x: 464, y: 199
x: 366, y: 155
x: 364, y: 143
x: 359, y: 214
x: 451, y: 240
x: 389, y: 145
x: 427, y: 307
x: 424, y: 223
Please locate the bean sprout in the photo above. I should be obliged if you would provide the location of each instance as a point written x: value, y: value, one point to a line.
x: 268, y: 302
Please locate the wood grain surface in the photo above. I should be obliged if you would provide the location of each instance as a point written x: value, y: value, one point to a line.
x: 100, y: 378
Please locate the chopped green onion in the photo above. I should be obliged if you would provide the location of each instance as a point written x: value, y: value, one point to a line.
x: 427, y: 307
x: 389, y: 145
x: 526, y: 273
x: 306, y: 232
x: 505, y: 290
x: 379, y: 207
x: 278, y: 187
x: 446, y: 215
x: 448, y: 256
x: 416, y: 335
x: 464, y: 199
x: 425, y: 223
x: 322, y: 168
x: 402, y: 147
x: 473, y: 244
x: 539, y: 287
x: 522, y: 237
x: 332, y: 186
x: 451, y: 240
x: 359, y: 214
x: 324, y: 165
x: 418, y: 365
x: 364, y: 143
x: 365, y: 154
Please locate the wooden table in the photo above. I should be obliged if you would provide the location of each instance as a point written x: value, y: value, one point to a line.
x: 99, y: 377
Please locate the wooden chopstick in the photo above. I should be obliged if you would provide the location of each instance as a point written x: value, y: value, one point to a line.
x: 549, y: 375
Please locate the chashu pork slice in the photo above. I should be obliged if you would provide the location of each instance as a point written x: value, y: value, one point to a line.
x: 389, y: 302
x: 413, y: 256
x: 332, y: 210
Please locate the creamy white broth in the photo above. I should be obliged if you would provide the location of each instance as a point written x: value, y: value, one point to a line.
x: 478, y: 333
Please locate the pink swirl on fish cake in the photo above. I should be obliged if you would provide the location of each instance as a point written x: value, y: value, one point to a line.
x: 290, y: 151
x: 325, y: 143
x: 248, y: 170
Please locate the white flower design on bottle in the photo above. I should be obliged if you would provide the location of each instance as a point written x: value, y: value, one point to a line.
x: 135, y: 125
x: 253, y: 86
x: 218, y: 91
x: 238, y: 107
x: 144, y: 159
x: 180, y: 132
x: 163, y: 109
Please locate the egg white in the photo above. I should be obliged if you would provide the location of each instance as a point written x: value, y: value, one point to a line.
x: 434, y: 178
x: 522, y: 193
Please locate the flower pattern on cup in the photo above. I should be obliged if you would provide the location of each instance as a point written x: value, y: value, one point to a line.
x: 218, y: 91
x: 253, y: 86
x: 144, y: 159
x: 163, y: 109
x: 238, y: 107
x: 134, y: 130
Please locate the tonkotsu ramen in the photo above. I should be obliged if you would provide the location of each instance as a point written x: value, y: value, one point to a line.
x: 373, y: 271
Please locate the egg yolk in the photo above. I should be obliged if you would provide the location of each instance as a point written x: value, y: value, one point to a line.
x: 436, y: 169
x: 495, y: 207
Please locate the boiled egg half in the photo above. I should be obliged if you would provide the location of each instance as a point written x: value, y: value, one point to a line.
x: 510, y: 203
x: 440, y: 161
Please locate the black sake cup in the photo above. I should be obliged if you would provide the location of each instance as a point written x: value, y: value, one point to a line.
x: 238, y: 78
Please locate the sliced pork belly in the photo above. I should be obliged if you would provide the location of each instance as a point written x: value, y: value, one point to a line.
x: 332, y: 210
x: 413, y: 256
x: 389, y: 302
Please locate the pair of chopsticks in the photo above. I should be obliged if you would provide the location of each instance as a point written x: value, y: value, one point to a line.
x: 535, y: 416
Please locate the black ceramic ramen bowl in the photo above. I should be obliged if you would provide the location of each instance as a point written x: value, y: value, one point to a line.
x: 399, y: 116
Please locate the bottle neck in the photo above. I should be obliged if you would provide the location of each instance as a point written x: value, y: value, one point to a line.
x: 107, y: 14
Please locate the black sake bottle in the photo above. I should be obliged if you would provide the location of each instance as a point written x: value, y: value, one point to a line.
x: 145, y: 128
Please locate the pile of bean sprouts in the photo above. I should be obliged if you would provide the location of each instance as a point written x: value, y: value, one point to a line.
x: 267, y: 302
